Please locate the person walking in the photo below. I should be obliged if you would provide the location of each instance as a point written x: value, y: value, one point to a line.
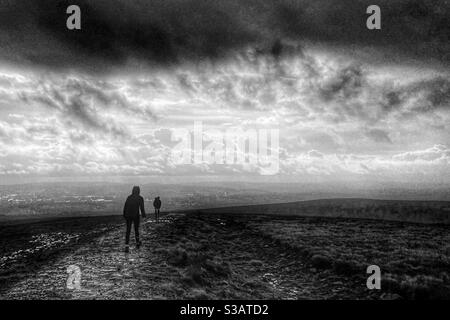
x: 133, y: 205
x: 157, y: 205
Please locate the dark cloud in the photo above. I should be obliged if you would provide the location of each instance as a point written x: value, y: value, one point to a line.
x: 347, y: 83
x: 392, y: 100
x: 435, y: 93
x: 418, y: 97
x: 107, y: 95
x: 78, y: 101
x: 415, y: 27
x: 166, y: 32
x: 378, y: 135
x: 81, y: 138
x: 42, y: 130
x: 334, y: 92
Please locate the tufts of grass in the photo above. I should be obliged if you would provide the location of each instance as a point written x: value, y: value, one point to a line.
x: 414, y: 258
x: 321, y: 262
x: 346, y: 267
x: 217, y: 267
x: 256, y: 263
x: 177, y: 257
x: 198, y: 294
x: 194, y: 275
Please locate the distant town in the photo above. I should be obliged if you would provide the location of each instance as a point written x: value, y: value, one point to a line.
x: 59, y: 199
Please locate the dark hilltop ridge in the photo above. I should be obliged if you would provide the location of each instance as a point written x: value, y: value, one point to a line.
x: 393, y: 210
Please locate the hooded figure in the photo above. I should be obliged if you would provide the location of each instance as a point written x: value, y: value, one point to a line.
x: 157, y: 205
x: 133, y: 205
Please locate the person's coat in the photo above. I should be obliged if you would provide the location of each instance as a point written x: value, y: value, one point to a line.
x: 133, y: 205
x: 157, y: 203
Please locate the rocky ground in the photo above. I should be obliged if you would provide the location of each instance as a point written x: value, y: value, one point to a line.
x: 185, y: 256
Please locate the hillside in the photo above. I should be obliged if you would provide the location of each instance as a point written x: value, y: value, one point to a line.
x: 226, y: 256
x: 393, y: 210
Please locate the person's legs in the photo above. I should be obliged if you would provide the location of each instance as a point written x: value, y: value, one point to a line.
x: 127, y: 234
x: 158, y: 214
x: 136, y: 231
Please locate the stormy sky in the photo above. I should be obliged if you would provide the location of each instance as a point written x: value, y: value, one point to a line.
x: 350, y: 103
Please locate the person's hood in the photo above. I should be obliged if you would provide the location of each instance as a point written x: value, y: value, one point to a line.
x: 136, y: 191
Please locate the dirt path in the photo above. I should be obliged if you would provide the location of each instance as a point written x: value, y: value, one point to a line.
x: 106, y: 271
x: 185, y: 256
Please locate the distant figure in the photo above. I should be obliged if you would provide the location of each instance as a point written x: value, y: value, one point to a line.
x: 131, y: 209
x: 157, y: 205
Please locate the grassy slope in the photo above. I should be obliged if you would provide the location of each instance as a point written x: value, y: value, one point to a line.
x: 395, y: 210
x: 290, y: 250
x: 189, y: 256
